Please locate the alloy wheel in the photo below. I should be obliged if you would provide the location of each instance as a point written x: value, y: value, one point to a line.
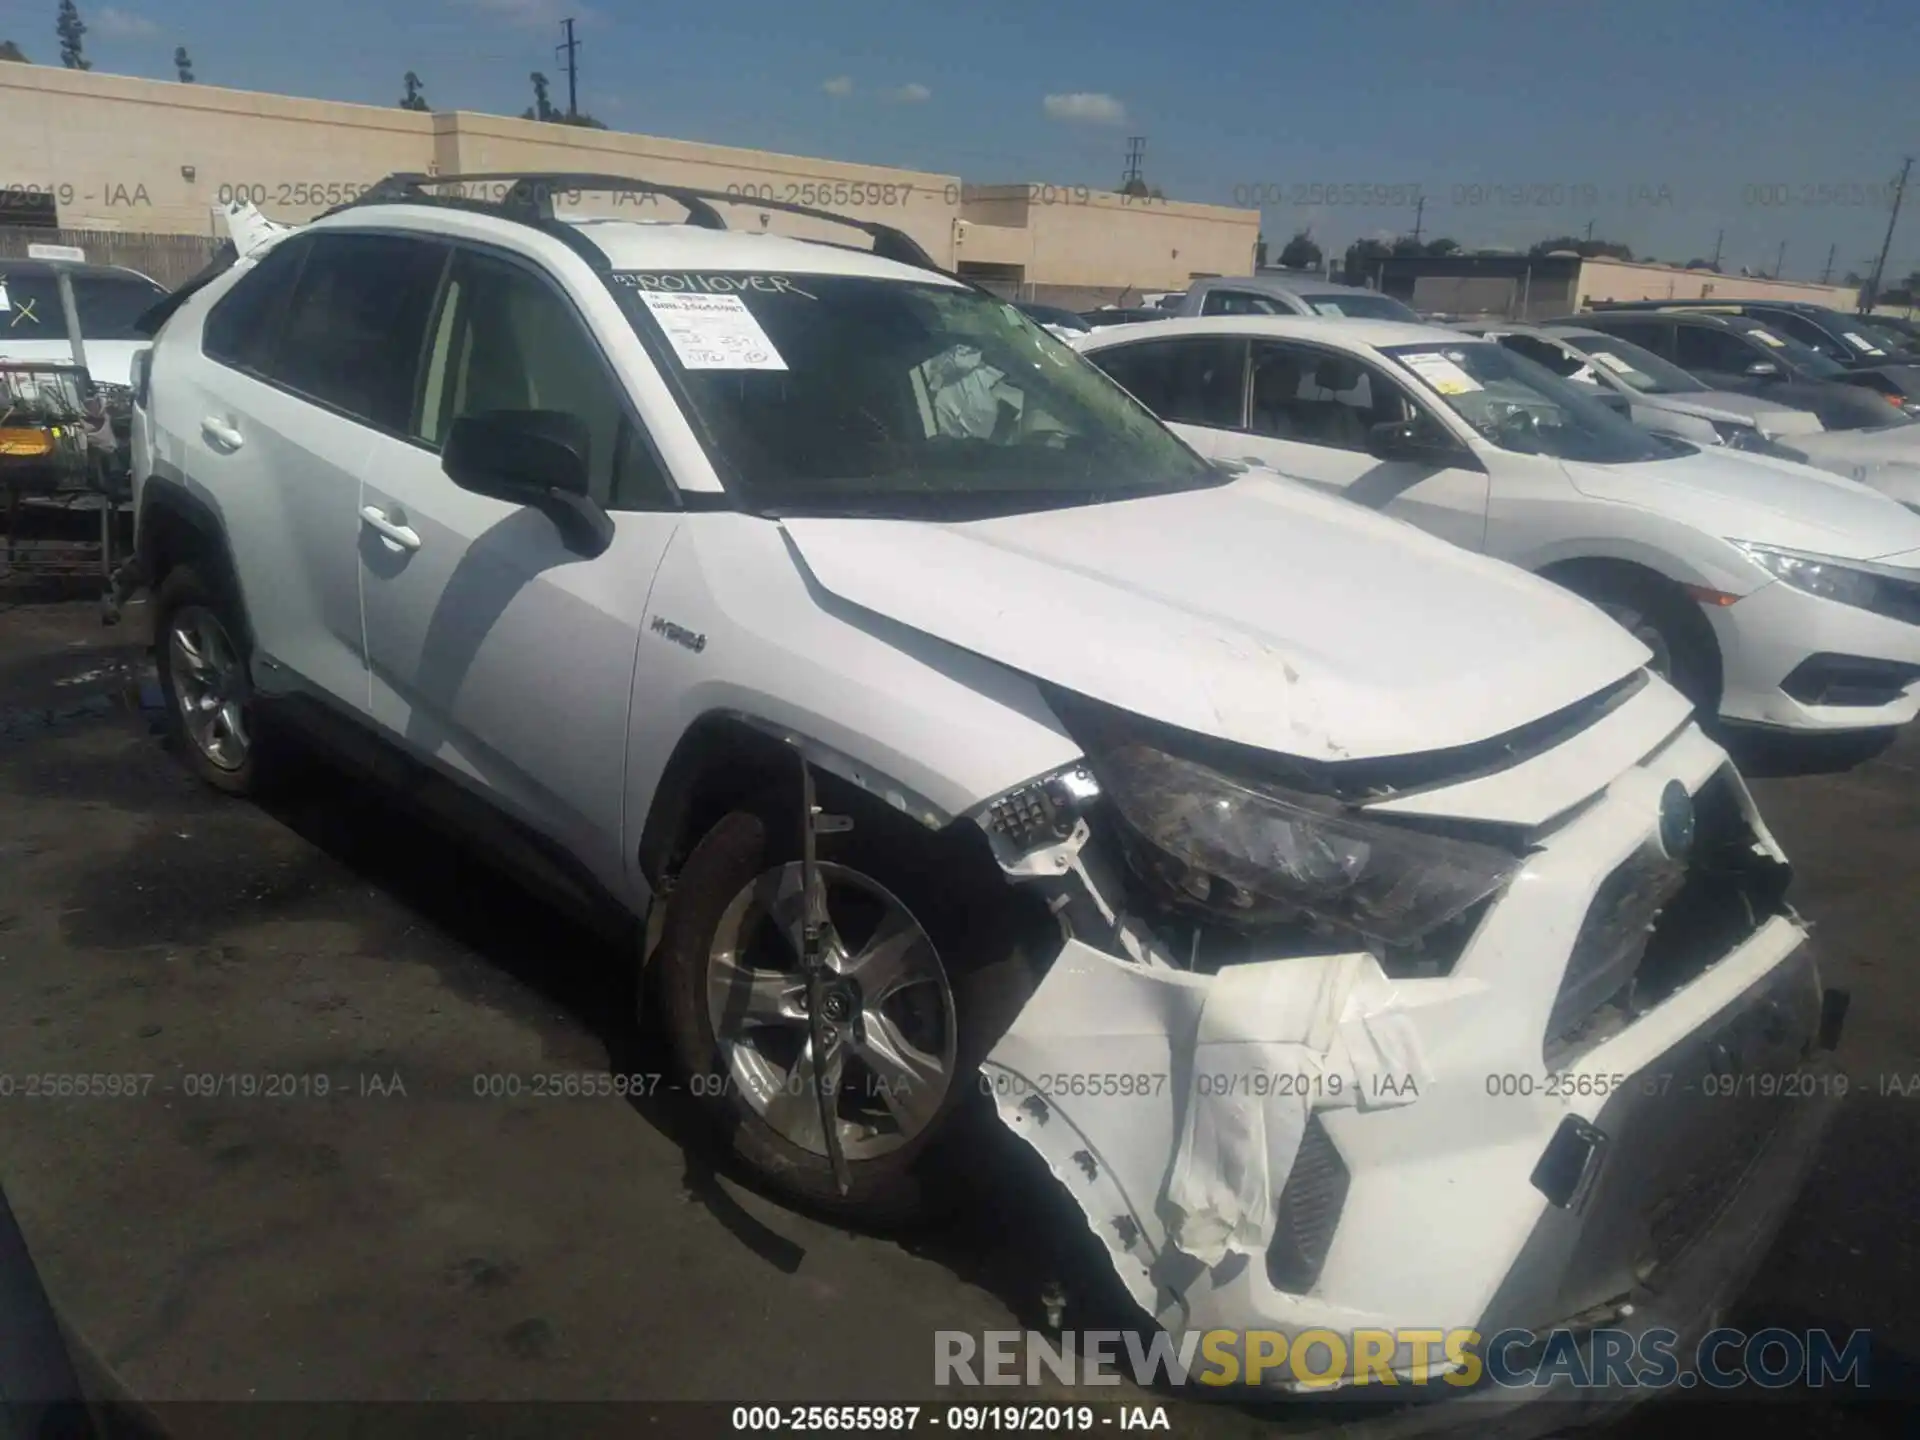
x: 888, y: 1010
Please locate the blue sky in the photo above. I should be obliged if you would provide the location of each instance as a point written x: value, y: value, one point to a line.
x: 1681, y: 117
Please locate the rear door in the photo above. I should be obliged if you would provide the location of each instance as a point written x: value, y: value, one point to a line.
x: 1311, y: 413
x: 273, y: 417
x: 498, y: 655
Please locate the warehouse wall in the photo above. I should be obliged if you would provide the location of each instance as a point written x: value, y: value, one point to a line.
x: 147, y: 156
x: 1619, y: 280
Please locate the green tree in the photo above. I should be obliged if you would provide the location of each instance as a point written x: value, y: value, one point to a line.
x: 72, y: 31
x: 11, y: 51
x: 542, y: 107
x: 1300, y: 253
x: 415, y: 98
x: 582, y: 119
x: 1588, y: 249
x: 183, y: 63
x: 1443, y: 246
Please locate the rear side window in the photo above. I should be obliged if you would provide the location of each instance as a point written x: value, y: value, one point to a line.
x: 1238, y: 302
x: 243, y: 319
x: 356, y: 325
x: 1202, y: 381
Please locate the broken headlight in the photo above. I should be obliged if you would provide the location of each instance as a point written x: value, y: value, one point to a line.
x: 1251, y: 850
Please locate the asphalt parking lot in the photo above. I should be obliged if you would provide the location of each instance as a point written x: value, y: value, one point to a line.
x: 401, y: 1237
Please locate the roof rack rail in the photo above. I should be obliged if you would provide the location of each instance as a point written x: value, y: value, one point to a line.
x: 530, y: 193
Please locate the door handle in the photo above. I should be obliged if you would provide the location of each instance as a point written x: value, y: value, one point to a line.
x: 220, y: 433
x: 375, y: 519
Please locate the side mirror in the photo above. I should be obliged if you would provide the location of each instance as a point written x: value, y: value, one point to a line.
x: 1404, y: 440
x: 536, y: 458
x: 1763, y: 370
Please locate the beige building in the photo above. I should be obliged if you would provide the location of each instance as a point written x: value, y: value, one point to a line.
x: 1621, y: 280
x: 1536, y: 287
x: 113, y: 155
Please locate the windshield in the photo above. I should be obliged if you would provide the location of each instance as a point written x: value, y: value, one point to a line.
x: 1361, y: 305
x: 1802, y: 357
x: 108, y: 306
x: 1635, y: 366
x: 849, y: 394
x: 1524, y: 407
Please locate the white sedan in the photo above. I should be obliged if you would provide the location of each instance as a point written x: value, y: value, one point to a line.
x: 1769, y: 592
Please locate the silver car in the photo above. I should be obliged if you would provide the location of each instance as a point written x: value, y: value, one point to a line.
x: 1661, y: 396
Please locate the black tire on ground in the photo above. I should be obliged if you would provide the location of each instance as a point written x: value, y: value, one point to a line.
x: 183, y: 593
x: 977, y: 935
x: 1667, y: 620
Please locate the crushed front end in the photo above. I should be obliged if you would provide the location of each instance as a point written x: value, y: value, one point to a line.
x: 1526, y: 1037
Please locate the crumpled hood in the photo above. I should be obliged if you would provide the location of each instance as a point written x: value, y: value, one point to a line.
x: 1738, y: 496
x: 1258, y: 612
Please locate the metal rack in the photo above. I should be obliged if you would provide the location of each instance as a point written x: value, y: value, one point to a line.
x: 54, y: 465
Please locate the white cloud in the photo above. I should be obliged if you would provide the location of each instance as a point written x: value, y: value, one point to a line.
x: 840, y: 85
x: 911, y: 94
x: 123, y: 25
x: 1090, y: 109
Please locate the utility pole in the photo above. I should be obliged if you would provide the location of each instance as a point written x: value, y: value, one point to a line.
x: 1779, y: 259
x: 1419, y: 209
x: 567, y: 53
x: 1589, y: 229
x: 1136, y: 148
x: 1872, y: 292
x: 1722, y: 235
x: 1827, y: 273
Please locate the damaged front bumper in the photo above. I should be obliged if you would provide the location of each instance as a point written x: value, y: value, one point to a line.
x: 1304, y: 1144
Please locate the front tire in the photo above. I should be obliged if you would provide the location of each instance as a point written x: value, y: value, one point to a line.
x: 1665, y: 619
x: 202, y: 661
x: 925, y: 980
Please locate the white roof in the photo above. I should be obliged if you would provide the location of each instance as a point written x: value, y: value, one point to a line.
x: 650, y: 245
x: 639, y: 245
x: 1329, y: 329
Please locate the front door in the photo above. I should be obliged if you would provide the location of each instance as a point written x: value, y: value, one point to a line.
x: 1311, y: 411
x: 498, y: 655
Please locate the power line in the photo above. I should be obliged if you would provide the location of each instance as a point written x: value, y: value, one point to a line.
x: 1872, y: 293
x: 568, y: 50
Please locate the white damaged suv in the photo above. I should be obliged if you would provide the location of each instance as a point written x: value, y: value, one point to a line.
x: 1356, y: 927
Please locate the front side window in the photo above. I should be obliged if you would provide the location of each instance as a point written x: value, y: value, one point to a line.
x: 1318, y: 397
x: 507, y: 341
x: 1787, y: 351
x: 356, y: 324
x: 1798, y: 327
x: 1525, y: 408
x: 1707, y: 347
x: 107, y: 305
x: 1197, y: 381
x: 839, y: 393
x: 1635, y: 366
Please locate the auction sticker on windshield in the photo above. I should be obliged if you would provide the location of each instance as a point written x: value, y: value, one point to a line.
x: 1614, y: 363
x: 1767, y: 337
x: 713, y: 332
x: 1440, y: 372
x: 1860, y: 342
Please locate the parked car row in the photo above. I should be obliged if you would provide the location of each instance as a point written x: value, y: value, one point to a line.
x: 980, y: 741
